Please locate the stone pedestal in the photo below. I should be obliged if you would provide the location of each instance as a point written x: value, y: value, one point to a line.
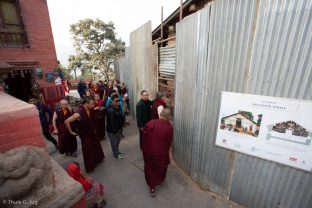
x: 28, y: 178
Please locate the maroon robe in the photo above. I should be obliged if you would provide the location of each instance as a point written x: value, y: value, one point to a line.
x: 67, y: 143
x: 157, y: 139
x: 91, y: 147
x: 100, y: 122
x: 156, y: 103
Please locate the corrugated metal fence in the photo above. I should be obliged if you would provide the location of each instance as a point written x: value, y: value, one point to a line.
x: 259, y: 47
x: 119, y: 68
x: 143, y: 63
x: 166, y: 70
x: 167, y: 59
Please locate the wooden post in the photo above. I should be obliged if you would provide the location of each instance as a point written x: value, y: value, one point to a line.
x: 161, y: 24
x: 181, y: 10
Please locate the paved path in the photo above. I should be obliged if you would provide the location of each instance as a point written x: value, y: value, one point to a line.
x: 125, y: 185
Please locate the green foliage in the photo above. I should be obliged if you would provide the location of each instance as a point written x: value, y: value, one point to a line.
x: 67, y: 72
x: 96, y: 46
x: 248, y: 114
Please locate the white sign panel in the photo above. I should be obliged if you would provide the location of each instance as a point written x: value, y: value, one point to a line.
x: 276, y: 129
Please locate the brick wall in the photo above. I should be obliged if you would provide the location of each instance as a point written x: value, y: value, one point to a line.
x: 39, y: 32
x: 19, y: 124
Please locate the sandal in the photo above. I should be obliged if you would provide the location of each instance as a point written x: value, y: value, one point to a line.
x: 153, y: 192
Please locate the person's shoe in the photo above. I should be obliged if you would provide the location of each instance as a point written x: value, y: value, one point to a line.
x: 121, y: 153
x: 153, y: 192
x: 120, y: 157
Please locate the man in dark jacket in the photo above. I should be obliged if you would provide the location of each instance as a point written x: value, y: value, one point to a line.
x: 45, y: 116
x: 143, y: 113
x: 82, y: 88
x: 115, y: 122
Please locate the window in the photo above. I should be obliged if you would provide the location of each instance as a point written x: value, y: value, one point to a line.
x: 11, y: 25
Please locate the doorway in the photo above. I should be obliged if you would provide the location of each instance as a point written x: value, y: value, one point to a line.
x: 19, y: 84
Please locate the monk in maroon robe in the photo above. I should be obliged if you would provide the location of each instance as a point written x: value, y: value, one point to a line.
x: 67, y: 143
x: 100, y: 115
x: 158, y: 105
x: 90, y: 142
x: 157, y: 139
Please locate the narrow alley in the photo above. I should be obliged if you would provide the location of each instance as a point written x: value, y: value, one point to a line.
x: 125, y: 184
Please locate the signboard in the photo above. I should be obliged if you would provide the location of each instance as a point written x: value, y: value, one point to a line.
x: 276, y: 129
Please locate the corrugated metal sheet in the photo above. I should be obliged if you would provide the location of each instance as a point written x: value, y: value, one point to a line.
x: 143, y: 63
x: 167, y: 65
x: 167, y: 61
x: 119, y: 68
x: 128, y: 80
x: 212, y: 50
x: 258, y: 47
x: 280, y: 66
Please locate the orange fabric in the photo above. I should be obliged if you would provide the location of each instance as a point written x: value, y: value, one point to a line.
x: 65, y: 111
x: 88, y: 112
x: 74, y: 171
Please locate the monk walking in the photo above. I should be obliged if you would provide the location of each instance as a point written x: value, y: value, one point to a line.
x: 90, y: 142
x: 157, y: 139
x: 67, y: 142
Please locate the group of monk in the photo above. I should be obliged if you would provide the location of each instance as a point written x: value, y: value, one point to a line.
x: 156, y: 134
x: 153, y: 121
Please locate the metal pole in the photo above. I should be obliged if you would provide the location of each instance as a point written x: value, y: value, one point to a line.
x: 181, y: 10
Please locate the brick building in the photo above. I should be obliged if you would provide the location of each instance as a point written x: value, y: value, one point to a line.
x: 27, y: 51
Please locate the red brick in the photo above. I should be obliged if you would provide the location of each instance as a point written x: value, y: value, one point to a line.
x: 20, y: 135
x: 15, y: 125
x: 39, y: 32
x: 36, y: 142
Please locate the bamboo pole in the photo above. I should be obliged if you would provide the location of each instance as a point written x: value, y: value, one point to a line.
x: 181, y: 10
x: 161, y: 24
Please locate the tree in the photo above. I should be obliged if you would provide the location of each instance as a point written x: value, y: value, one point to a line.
x: 67, y: 72
x: 96, y: 46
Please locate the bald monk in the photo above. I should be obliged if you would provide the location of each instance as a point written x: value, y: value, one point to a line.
x: 67, y: 143
x: 90, y: 142
x: 157, y: 139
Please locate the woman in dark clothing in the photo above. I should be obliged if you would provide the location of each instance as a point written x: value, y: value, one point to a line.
x: 90, y: 142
